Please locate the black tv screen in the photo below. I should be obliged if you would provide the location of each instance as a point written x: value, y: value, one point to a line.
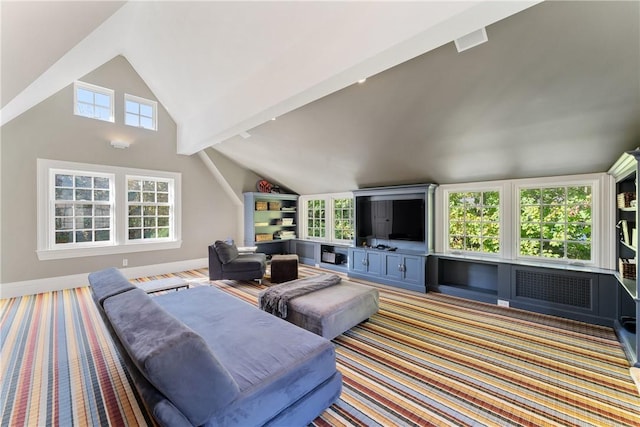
x: 390, y: 219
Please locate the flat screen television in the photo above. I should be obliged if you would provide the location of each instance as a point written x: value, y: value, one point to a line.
x: 388, y: 218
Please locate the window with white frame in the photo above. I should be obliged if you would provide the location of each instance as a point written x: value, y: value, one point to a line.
x: 149, y: 206
x: 556, y: 222
x: 550, y: 219
x: 316, y: 219
x: 81, y: 212
x: 328, y: 217
x: 140, y: 112
x: 343, y: 223
x: 93, y: 101
x: 474, y: 221
x: 87, y: 209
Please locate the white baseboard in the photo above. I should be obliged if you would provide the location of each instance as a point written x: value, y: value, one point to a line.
x: 37, y: 286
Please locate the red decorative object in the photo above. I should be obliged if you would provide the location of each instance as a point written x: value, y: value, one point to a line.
x: 264, y: 186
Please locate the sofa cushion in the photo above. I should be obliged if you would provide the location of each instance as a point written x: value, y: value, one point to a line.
x: 107, y: 283
x: 247, y: 262
x: 174, y: 358
x: 226, y: 252
x: 273, y: 362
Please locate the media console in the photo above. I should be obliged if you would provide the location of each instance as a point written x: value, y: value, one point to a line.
x: 394, y: 235
x: 396, y: 268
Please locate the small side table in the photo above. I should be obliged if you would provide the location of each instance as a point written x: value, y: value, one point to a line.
x: 284, y: 268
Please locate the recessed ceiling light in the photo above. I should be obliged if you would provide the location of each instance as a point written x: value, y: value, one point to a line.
x: 362, y: 80
x: 273, y: 118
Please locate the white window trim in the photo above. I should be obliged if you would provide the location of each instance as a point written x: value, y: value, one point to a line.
x: 442, y: 241
x: 139, y: 100
x: 120, y: 245
x: 172, y: 193
x: 51, y: 209
x: 603, y: 218
x: 329, y: 220
x: 96, y: 89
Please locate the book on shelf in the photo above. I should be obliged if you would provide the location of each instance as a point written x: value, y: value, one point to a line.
x: 627, y: 232
x: 627, y: 267
x: 283, y: 234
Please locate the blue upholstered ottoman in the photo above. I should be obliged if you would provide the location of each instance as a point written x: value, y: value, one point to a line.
x: 333, y: 310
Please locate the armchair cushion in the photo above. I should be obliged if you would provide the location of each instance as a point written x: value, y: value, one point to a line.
x: 226, y: 252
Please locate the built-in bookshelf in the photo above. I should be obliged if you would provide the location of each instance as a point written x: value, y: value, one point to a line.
x: 270, y: 220
x: 626, y: 172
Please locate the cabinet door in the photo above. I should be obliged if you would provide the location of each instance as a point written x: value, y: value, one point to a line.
x: 374, y: 263
x: 413, y: 270
x: 358, y: 261
x: 393, y: 266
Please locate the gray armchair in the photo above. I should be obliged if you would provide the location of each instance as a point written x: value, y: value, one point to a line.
x: 226, y: 263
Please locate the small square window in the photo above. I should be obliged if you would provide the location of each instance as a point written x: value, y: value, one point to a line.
x: 93, y: 101
x: 140, y: 112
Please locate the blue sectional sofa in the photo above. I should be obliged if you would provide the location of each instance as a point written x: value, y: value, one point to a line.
x: 203, y: 357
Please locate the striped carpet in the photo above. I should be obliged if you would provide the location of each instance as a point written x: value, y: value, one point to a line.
x: 422, y: 360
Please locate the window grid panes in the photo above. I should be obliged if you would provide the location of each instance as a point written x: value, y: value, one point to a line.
x: 149, y: 208
x: 343, y: 228
x: 140, y: 112
x: 474, y: 221
x: 82, y: 208
x: 94, y: 102
x: 556, y: 222
x: 316, y: 220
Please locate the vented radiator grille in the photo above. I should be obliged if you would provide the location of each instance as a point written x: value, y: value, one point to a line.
x: 555, y: 288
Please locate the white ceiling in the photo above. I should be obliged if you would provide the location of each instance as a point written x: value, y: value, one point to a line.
x: 223, y: 67
x: 556, y: 89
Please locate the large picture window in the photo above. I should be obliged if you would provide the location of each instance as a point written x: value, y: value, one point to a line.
x: 556, y: 222
x: 87, y: 209
x: 474, y: 221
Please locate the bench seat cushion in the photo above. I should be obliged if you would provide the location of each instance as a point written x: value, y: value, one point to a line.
x: 333, y: 310
x: 273, y: 362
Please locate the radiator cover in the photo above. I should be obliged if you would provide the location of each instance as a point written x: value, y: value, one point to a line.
x: 557, y: 288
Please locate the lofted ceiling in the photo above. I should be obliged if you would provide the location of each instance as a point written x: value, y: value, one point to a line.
x: 555, y: 90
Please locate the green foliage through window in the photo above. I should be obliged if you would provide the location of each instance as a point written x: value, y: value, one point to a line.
x: 343, y: 228
x: 316, y: 220
x: 556, y: 222
x: 474, y: 221
x: 149, y: 209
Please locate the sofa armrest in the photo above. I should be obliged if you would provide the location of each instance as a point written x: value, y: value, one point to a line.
x: 215, y: 265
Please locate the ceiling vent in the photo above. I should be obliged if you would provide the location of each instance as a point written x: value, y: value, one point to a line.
x: 471, y: 40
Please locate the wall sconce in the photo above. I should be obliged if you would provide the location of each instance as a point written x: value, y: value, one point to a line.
x: 120, y: 144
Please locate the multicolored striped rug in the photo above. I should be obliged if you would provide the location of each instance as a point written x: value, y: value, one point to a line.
x: 422, y: 360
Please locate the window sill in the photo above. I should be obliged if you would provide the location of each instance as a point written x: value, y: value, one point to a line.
x: 558, y: 265
x: 52, y: 254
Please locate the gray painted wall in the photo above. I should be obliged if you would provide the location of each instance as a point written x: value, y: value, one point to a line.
x: 240, y: 179
x: 50, y: 130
